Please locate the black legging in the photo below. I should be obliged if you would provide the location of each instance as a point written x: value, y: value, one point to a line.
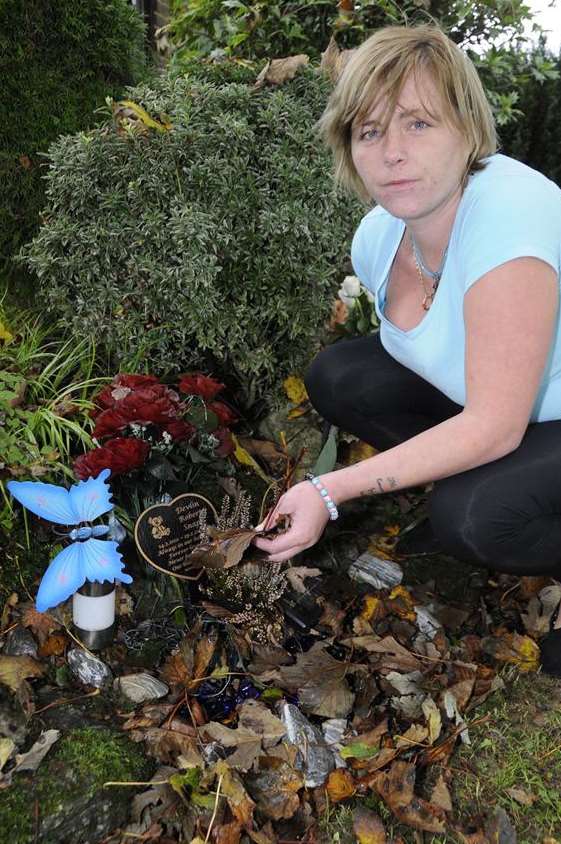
x: 505, y: 515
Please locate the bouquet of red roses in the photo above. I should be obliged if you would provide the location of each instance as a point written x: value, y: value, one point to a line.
x: 142, y: 424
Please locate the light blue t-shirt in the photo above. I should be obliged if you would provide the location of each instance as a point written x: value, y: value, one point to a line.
x: 506, y: 211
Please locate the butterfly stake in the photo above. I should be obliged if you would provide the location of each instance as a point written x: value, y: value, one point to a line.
x: 87, y: 557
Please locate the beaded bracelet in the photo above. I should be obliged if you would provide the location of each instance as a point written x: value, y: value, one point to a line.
x: 327, y: 500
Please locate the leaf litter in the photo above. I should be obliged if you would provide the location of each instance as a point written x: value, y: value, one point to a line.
x: 252, y: 734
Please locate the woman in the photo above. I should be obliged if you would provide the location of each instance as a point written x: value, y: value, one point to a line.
x: 462, y: 253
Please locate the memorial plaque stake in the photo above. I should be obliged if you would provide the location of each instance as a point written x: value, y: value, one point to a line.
x: 167, y: 534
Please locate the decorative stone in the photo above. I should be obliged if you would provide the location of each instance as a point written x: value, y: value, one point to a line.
x: 141, y: 687
x: 20, y: 642
x: 314, y: 758
x: 89, y: 669
x: 378, y: 573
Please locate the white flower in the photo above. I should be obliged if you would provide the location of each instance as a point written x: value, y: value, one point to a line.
x: 349, y: 290
x: 369, y: 295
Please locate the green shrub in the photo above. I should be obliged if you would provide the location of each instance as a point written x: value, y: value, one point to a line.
x: 58, y: 61
x: 215, y: 243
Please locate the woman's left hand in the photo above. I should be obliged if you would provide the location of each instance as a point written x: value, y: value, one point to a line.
x: 307, y: 518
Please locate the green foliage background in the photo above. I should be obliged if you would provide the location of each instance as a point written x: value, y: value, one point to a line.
x: 59, y: 59
x: 215, y: 244
x: 521, y: 83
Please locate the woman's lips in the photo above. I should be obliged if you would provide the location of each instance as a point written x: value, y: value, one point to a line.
x: 401, y: 183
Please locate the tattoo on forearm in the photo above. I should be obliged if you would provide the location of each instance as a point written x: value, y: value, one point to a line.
x: 382, y: 485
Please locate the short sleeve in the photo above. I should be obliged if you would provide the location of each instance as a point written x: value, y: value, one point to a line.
x: 519, y: 217
x: 362, y: 263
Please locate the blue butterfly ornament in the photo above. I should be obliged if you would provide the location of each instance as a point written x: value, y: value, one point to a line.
x: 87, y: 557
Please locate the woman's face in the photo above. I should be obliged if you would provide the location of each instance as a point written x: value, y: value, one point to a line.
x: 415, y: 168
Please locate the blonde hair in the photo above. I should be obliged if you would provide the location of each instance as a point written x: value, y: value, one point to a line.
x: 378, y: 70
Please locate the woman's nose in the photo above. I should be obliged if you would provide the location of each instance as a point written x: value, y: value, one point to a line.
x: 393, y: 146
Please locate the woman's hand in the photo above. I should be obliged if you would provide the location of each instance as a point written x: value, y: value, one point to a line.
x: 308, y: 517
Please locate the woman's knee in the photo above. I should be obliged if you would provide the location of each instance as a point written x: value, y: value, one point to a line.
x: 332, y: 377
x: 476, y: 522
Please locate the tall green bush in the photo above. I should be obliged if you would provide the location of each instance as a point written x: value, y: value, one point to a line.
x: 213, y: 243
x: 59, y: 59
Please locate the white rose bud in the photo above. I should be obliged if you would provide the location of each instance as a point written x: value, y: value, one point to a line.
x: 349, y: 290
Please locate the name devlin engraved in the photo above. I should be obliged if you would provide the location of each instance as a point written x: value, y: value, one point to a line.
x: 167, y: 534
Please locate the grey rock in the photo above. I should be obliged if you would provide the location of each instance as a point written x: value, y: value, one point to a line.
x: 89, y: 669
x: 20, y: 642
x: 378, y: 573
x: 141, y: 687
x: 314, y: 756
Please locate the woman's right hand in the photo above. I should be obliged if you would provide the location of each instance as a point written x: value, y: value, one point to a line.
x: 307, y: 517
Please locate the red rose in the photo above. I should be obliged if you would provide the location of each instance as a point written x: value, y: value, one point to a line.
x: 152, y: 404
x: 119, y: 388
x: 226, y: 445
x: 197, y: 384
x: 179, y: 430
x: 109, y: 423
x: 224, y: 414
x: 121, y: 455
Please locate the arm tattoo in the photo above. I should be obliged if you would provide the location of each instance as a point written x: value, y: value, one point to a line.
x: 382, y: 485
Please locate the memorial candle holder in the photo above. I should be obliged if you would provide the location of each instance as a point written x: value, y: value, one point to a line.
x: 88, y: 567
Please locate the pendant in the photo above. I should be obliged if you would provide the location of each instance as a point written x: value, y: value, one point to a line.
x: 427, y: 301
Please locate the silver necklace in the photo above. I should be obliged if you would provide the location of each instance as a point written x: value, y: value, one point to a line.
x: 436, y: 275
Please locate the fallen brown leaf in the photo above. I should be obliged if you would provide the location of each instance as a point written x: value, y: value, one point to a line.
x: 247, y: 744
x: 525, y: 798
x: 15, y: 669
x: 334, y: 60
x: 320, y: 682
x: 278, y: 71
x: 514, y: 648
x: 440, y: 795
x: 42, y: 624
x: 368, y: 827
x: 55, y: 645
x: 340, y: 785
x: 275, y: 788
x: 232, y: 787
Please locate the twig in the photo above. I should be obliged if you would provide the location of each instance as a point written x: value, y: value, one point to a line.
x: 213, y: 818
x: 7, y: 630
x: 65, y: 700
x: 549, y: 753
x: 153, y: 782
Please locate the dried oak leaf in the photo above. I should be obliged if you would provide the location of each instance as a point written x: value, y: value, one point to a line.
x: 42, y: 623
x: 368, y: 827
x: 340, y: 785
x: 320, y: 682
x: 15, y: 669
x: 275, y: 787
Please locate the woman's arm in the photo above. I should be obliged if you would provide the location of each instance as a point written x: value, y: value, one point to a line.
x: 510, y: 315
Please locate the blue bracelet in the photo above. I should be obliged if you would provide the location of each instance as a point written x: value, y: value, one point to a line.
x: 327, y: 500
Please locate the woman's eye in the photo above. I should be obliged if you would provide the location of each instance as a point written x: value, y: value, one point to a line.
x: 368, y: 134
x: 419, y: 124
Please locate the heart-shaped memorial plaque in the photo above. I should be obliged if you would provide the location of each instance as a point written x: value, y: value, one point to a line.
x: 167, y: 534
